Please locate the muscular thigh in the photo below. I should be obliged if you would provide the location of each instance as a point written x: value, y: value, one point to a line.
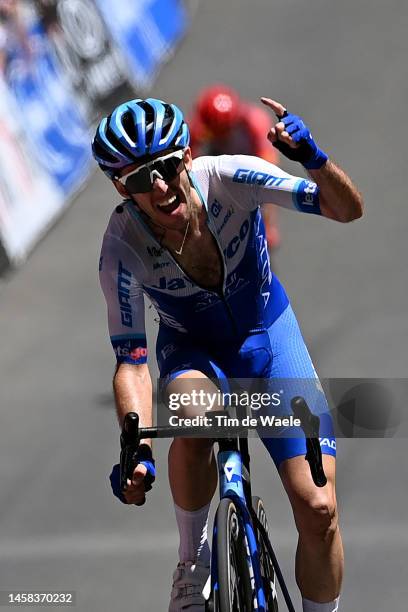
x: 188, y: 370
x: 292, y: 372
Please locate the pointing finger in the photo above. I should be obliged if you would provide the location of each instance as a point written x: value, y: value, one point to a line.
x: 277, y: 107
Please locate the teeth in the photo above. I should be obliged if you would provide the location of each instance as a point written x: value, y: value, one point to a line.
x: 167, y: 202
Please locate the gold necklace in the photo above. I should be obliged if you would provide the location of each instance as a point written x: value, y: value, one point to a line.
x: 180, y: 250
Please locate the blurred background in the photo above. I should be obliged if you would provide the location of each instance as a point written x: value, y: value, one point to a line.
x: 341, y: 66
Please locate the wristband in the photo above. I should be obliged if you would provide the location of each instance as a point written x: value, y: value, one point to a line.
x: 144, y: 456
x: 317, y: 161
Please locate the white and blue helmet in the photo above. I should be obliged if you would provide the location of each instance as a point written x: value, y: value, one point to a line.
x: 138, y: 129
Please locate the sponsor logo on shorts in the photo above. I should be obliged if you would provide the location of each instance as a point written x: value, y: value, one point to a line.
x: 328, y: 442
x: 168, y: 350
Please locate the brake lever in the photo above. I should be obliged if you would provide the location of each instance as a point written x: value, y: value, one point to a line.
x: 129, y: 443
x: 310, y: 424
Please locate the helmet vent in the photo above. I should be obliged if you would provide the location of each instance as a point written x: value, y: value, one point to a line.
x: 117, y: 144
x: 168, y: 121
x: 102, y: 153
x: 149, y: 118
x: 129, y: 125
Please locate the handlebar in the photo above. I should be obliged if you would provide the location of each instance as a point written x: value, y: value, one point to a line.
x: 132, y: 434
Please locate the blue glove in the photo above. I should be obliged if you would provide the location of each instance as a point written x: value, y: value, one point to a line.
x: 307, y: 153
x: 144, y: 457
x: 115, y: 483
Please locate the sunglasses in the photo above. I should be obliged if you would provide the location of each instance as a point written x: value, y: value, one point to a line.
x: 141, y: 180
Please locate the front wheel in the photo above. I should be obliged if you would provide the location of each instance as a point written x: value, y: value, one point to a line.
x: 267, y: 571
x: 234, y: 593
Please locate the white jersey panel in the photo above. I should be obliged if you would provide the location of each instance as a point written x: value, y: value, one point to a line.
x: 132, y: 261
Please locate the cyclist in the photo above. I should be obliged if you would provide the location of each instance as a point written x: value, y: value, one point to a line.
x: 189, y: 235
x: 223, y: 123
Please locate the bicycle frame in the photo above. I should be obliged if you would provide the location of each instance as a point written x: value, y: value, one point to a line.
x: 234, y: 483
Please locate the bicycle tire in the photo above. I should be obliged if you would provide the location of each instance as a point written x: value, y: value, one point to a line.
x: 267, y: 570
x: 234, y: 592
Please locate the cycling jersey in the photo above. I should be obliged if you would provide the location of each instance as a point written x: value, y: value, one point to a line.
x: 232, y: 188
x: 248, y: 329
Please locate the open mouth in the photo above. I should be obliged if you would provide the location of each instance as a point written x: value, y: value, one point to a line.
x: 170, y: 205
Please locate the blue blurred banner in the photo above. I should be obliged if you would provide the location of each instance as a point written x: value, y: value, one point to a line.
x: 62, y: 63
x: 53, y: 124
x: 29, y: 198
x: 146, y: 32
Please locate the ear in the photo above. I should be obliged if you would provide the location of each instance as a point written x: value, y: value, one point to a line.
x: 188, y: 158
x: 120, y: 188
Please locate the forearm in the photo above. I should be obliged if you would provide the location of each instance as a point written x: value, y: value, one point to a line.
x: 338, y: 196
x: 132, y: 386
x: 133, y: 393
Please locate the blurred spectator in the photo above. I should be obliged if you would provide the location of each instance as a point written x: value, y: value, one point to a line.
x: 13, y: 33
x: 82, y: 42
x: 222, y: 123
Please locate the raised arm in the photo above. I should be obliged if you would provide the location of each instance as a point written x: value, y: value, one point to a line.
x: 339, y: 199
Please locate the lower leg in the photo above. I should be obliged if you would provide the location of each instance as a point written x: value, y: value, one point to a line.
x: 192, y: 472
x: 319, y: 557
x: 193, y: 479
x: 319, y: 567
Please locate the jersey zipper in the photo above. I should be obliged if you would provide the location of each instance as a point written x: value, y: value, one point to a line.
x: 221, y: 293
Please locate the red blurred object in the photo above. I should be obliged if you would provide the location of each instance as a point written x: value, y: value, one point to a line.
x: 218, y: 108
x: 222, y: 123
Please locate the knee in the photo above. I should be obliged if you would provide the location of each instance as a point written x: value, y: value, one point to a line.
x: 316, y: 516
x: 192, y: 447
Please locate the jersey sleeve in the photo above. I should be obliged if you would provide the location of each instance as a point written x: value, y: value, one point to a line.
x: 125, y: 303
x: 252, y: 182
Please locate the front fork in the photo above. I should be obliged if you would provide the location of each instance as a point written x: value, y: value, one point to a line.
x: 232, y: 486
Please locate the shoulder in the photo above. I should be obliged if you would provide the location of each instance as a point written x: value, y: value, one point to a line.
x: 206, y: 163
x: 235, y: 168
x: 218, y: 168
x: 116, y: 226
x: 123, y: 239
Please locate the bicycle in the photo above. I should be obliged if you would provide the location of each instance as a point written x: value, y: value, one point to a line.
x: 244, y: 567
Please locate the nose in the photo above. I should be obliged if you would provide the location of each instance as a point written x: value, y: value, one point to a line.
x: 160, y: 185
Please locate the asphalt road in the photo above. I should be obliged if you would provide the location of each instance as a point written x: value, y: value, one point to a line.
x: 343, y: 67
